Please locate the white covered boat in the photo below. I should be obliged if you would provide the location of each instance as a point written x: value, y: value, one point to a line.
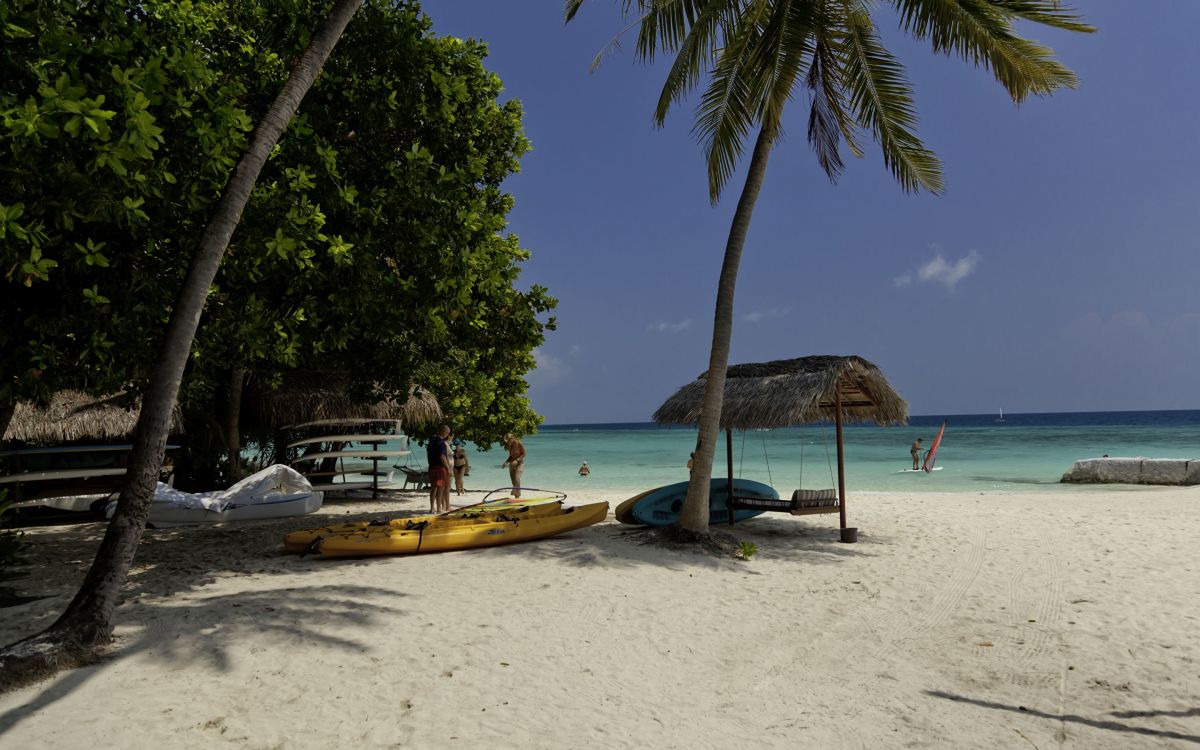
x: 275, y: 492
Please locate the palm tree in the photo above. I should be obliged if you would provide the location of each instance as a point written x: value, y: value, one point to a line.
x: 88, y: 619
x: 754, y: 54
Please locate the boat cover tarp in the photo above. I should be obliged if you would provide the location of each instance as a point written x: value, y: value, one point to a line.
x: 265, y: 486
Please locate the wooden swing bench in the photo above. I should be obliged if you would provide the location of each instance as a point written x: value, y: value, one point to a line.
x: 802, y: 503
x: 415, y: 477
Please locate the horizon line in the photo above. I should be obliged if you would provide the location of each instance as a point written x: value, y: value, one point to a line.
x: 911, y: 416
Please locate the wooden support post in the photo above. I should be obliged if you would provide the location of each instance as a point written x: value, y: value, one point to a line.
x: 729, y: 457
x: 374, y: 472
x: 841, y: 461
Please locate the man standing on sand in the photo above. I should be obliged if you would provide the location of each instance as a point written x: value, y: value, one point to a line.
x: 515, y: 462
x: 916, y: 454
x: 439, y: 470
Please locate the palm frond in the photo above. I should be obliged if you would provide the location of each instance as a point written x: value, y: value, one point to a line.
x: 981, y: 32
x: 611, y: 46
x: 666, y: 25
x: 828, y: 120
x: 784, y: 47
x: 571, y: 7
x: 696, y: 53
x: 825, y: 117
x: 882, y: 102
x: 727, y: 107
x: 1046, y: 12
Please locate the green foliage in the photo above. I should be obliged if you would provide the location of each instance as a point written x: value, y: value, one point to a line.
x: 746, y: 550
x: 117, y: 130
x: 374, y: 242
x: 380, y: 221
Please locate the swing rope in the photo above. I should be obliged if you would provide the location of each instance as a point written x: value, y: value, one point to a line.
x: 742, y: 456
x: 828, y: 460
x: 801, y: 458
x: 767, y: 458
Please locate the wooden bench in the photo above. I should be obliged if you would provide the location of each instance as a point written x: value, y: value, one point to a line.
x: 801, y: 503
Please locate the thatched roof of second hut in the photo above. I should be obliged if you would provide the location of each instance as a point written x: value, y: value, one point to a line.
x: 793, y: 391
x: 308, y: 397
x: 74, y: 416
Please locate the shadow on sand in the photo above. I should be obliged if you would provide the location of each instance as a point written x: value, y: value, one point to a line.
x: 1108, y: 724
x: 206, y: 630
x: 173, y: 566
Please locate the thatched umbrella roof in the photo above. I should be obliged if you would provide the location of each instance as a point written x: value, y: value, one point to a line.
x: 74, y: 416
x: 793, y: 391
x: 306, y: 398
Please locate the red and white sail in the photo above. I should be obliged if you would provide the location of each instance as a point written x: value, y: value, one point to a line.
x: 931, y: 454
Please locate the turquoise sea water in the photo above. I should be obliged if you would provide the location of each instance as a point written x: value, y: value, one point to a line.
x: 1025, y: 452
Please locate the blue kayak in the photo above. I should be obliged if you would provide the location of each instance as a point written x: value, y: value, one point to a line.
x: 661, y: 506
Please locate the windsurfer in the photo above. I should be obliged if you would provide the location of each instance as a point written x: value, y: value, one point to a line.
x: 916, y: 454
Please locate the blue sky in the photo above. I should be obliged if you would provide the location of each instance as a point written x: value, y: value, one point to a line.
x: 1058, y: 272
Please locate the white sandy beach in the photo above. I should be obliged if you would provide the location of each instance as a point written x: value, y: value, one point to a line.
x: 958, y: 620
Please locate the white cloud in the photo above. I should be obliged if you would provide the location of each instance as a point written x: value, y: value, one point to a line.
x: 761, y: 315
x: 941, y: 271
x: 666, y: 327
x: 549, y: 368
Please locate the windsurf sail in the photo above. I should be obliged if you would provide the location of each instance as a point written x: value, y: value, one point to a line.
x: 931, y: 454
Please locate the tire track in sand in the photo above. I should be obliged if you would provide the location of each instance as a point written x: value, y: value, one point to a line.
x: 902, y: 629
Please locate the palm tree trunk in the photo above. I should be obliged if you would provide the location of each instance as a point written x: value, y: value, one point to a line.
x: 695, y: 509
x: 88, y: 620
x: 233, y: 420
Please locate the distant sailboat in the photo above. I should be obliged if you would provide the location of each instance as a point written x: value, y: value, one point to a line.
x: 1001, y: 419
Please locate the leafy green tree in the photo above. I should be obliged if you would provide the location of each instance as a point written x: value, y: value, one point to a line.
x: 88, y: 620
x: 110, y: 114
x: 373, y: 243
x: 753, y: 55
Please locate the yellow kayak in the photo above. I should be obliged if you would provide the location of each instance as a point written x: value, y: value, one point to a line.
x: 441, y: 534
x: 298, y: 541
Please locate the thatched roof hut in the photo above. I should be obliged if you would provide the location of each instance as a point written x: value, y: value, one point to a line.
x: 791, y: 392
x: 74, y: 416
x: 310, y: 397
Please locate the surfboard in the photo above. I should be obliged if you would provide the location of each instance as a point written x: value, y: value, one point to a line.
x: 73, y: 449
x: 343, y: 486
x: 365, y: 453
x: 42, y: 476
x: 662, y: 506
x: 918, y: 471
x: 351, y: 439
